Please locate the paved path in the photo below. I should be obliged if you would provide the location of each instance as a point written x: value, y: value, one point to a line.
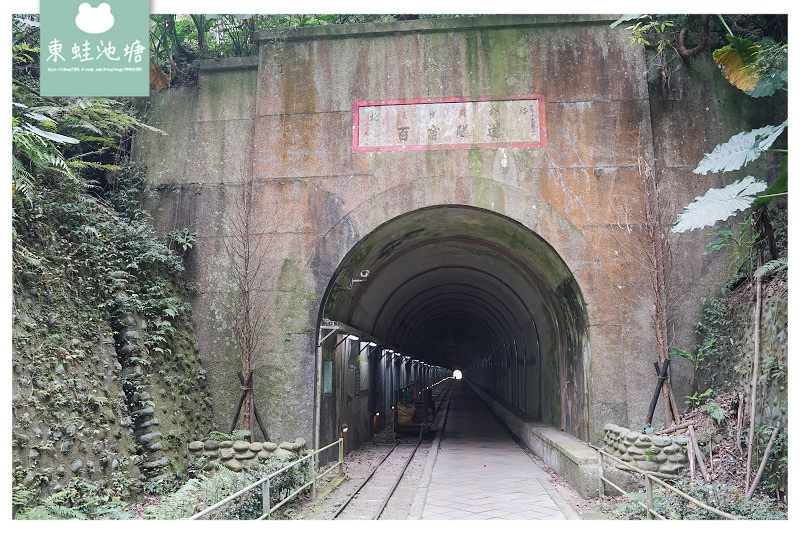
x: 478, y: 472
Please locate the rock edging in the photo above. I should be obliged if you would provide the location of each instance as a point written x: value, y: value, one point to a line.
x: 236, y: 455
x: 652, y: 453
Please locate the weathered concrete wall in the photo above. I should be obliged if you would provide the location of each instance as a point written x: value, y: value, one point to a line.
x: 286, y: 124
x: 596, y: 115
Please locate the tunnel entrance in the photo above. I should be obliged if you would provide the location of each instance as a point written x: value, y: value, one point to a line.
x: 465, y: 288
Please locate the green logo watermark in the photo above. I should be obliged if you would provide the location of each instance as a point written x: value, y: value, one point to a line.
x: 99, y: 48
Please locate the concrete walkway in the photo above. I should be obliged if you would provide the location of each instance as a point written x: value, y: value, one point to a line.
x: 476, y: 471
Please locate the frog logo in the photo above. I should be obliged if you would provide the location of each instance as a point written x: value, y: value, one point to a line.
x: 94, y: 20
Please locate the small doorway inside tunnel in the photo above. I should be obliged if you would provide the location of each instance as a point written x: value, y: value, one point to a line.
x: 457, y: 287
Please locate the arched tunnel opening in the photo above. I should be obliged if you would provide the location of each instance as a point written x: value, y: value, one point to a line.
x: 466, y: 289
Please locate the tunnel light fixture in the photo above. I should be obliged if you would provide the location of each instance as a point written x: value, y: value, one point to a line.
x: 352, y: 337
x: 371, y: 344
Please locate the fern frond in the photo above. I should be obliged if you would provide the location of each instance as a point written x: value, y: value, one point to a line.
x: 771, y: 267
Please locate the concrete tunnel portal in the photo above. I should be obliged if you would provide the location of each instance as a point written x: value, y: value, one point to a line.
x: 469, y: 289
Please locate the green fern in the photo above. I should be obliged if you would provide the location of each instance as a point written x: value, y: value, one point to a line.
x: 771, y: 267
x: 714, y: 411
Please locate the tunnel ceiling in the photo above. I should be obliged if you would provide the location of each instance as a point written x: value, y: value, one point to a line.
x: 452, y: 286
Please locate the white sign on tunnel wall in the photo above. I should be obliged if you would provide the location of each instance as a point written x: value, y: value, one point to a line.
x: 515, y: 121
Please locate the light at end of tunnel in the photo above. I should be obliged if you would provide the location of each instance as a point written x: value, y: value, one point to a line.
x: 457, y: 374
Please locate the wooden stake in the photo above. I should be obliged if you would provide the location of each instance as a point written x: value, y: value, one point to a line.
x: 662, y: 375
x: 672, y: 429
x: 752, y: 489
x: 710, y: 456
x: 754, y: 380
x: 739, y: 416
x: 701, y: 460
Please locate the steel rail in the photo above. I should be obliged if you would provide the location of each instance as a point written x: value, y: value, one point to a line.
x: 355, y: 492
x: 399, y: 477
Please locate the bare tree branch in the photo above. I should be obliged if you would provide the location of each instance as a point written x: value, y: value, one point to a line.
x: 646, y: 244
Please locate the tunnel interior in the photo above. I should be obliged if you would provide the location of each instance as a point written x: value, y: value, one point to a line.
x: 471, y: 290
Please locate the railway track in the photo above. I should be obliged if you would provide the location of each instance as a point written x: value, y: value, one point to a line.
x: 370, y: 500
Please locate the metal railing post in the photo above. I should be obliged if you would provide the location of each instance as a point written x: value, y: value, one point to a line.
x: 265, y: 485
x: 265, y: 499
x: 312, y: 476
x: 341, y: 456
x: 600, y: 475
x: 648, y: 489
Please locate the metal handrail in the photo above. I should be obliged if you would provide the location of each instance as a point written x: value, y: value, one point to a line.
x: 265, y: 482
x: 648, y: 479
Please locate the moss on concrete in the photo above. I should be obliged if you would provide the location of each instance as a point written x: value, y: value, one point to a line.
x: 81, y: 370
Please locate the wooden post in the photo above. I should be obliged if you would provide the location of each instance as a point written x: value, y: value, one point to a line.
x: 754, y: 380
x: 247, y: 386
x: 648, y: 489
x: 241, y: 399
x: 662, y: 375
x: 701, y: 460
x: 760, y: 472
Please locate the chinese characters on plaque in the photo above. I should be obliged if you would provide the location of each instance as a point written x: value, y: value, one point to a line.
x: 449, y: 124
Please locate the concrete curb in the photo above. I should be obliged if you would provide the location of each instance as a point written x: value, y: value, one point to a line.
x: 569, y: 456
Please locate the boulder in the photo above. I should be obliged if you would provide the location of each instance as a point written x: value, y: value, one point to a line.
x: 282, y: 453
x: 241, y: 446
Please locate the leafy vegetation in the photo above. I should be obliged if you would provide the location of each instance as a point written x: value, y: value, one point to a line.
x: 697, y: 398
x: 213, y: 483
x: 742, y: 63
x: 741, y: 243
x: 82, y: 249
x: 754, y: 61
x: 80, y: 500
x: 675, y: 507
x: 647, y: 24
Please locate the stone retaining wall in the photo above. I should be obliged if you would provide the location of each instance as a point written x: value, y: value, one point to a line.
x: 236, y: 455
x: 653, y: 453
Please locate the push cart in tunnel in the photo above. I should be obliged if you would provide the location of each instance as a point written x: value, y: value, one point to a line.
x: 414, y: 412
